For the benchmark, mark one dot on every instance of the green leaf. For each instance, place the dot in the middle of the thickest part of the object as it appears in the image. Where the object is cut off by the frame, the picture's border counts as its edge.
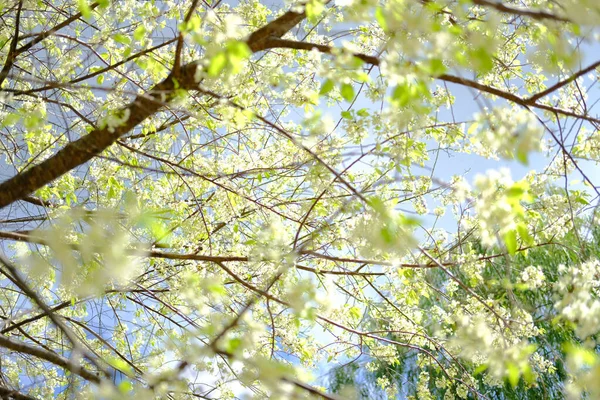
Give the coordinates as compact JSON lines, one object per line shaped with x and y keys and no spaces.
{"x":512,"y":373}
{"x":354,"y":312}
{"x":120,"y":38}
{"x":125,"y":387}
{"x":217,"y":64}
{"x":100,"y":79}
{"x":408,"y":92}
{"x":10,"y":119}
{"x":232,"y":344}
{"x":436,"y":67}
{"x":378,"y":205}
{"x":517,"y":190}
{"x":216,"y":288}
{"x":524,"y":233}
{"x":522,"y":157}
{"x":482,"y":368}
{"x":582,"y":200}
{"x":357,"y":63}
{"x":121,"y":365}
{"x":139,"y":32}
{"x":510,"y":239}
{"x":380,"y":17}
{"x":528,"y":374}
{"x":412,"y":298}
{"x":581,"y":355}
{"x":84,"y":9}
{"x":326,"y":87}
{"x":362,"y":76}
{"x":473,"y":128}
{"x":346,"y":114}
{"x":483,"y":60}
{"x":347,"y":91}
{"x":238,"y":49}
{"x":314,"y":8}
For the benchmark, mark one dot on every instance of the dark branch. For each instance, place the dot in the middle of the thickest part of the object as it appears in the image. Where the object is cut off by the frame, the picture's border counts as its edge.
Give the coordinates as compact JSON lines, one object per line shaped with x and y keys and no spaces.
{"x":93,"y":144}
{"x":25,"y":348}
{"x":12,"y":52}
{"x":537,"y":15}
{"x":6,"y":393}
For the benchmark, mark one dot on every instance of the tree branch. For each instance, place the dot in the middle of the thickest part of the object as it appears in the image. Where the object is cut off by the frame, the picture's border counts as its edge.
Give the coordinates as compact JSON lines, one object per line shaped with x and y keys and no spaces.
{"x":45,"y":34}
{"x":564,"y":82}
{"x":537,"y":15}
{"x":6,"y":393}
{"x":87,"y":147}
{"x":15,"y":277}
{"x":272,"y":43}
{"x":12,"y":52}
{"x":22,"y":347}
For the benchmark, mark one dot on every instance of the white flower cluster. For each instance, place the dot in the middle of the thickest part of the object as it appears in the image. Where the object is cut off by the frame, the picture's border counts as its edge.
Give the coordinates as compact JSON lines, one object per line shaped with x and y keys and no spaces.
{"x":108,"y":255}
{"x":115,"y":120}
{"x":357,"y":9}
{"x":385,"y":232}
{"x":588,"y":145}
{"x":507,"y":132}
{"x":231,"y":26}
{"x":478,"y":342}
{"x":459,"y":191}
{"x":473,"y":269}
{"x":272,"y":243}
{"x":577,"y":297}
{"x":533,"y":277}
{"x":497,"y":206}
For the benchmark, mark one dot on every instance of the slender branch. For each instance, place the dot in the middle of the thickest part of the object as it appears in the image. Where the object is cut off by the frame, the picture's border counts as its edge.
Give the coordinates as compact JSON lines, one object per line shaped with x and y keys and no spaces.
{"x":537,"y":15}
{"x":564,"y":82}
{"x":301,"y":385}
{"x":12,"y":52}
{"x":26,"y":321}
{"x":30,"y":238}
{"x":36,"y":201}
{"x":22,"y":347}
{"x":45,"y":34}
{"x":272,"y":43}
{"x":531,"y":102}
{"x":87,"y":147}
{"x":18,"y":280}
{"x":465,"y":287}
{"x":6,"y":393}
{"x":180,"y":41}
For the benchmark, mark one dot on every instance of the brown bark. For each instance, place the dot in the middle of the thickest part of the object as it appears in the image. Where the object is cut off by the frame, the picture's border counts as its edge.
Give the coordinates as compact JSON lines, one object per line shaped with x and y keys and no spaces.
{"x":87,"y":147}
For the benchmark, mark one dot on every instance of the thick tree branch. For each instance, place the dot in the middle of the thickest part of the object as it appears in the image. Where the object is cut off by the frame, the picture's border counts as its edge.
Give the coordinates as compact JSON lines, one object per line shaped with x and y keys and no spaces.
{"x":6,"y":393}
{"x":144,"y":106}
{"x":84,"y":149}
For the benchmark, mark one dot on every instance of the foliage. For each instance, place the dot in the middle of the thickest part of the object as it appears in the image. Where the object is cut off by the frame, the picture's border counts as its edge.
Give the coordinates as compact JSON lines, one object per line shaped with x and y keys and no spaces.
{"x":220,"y":199}
{"x":528,"y":293}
